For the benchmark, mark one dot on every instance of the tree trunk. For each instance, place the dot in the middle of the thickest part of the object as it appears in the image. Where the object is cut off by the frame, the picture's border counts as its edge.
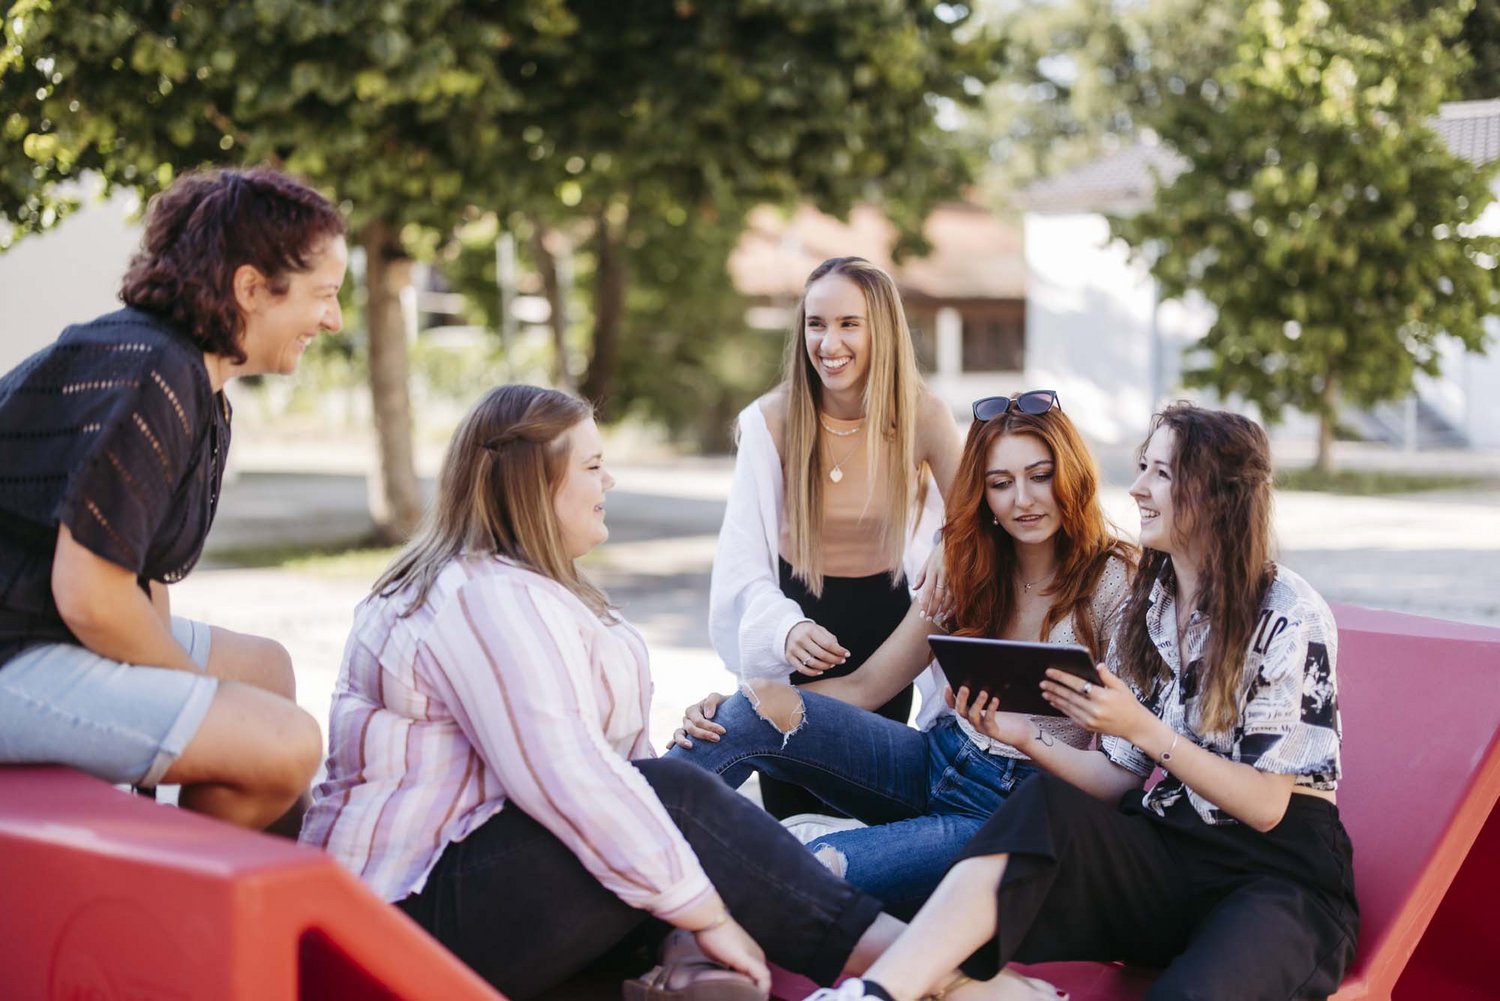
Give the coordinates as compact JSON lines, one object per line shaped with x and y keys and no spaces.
{"x":557,"y":298}
{"x":397,"y":507}
{"x":609,"y":307}
{"x":1327,"y":419}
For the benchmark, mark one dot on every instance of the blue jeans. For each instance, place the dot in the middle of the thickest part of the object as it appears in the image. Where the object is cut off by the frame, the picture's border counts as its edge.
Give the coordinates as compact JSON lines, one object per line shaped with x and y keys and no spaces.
{"x":924,"y":793}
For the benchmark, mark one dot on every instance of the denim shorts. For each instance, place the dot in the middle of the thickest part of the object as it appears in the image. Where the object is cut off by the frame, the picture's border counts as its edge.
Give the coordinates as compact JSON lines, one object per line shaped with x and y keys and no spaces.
{"x":62,"y":704}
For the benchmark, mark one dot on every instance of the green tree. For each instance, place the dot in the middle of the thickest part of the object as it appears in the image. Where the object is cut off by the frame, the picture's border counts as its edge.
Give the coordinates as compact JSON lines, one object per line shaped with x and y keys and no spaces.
{"x":395,"y":106}
{"x":688,"y":361}
{"x":593,"y":112}
{"x":1078,"y":77}
{"x":1319,"y":213}
{"x":1480,"y":37}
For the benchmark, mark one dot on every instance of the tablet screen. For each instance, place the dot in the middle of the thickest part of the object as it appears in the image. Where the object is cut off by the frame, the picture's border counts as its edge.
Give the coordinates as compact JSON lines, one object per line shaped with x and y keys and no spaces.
{"x":1010,"y":670}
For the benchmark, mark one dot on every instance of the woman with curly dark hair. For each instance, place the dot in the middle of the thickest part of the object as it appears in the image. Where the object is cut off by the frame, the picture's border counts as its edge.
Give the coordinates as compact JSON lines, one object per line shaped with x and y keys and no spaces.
{"x":1030,"y":556}
{"x":113,"y":441}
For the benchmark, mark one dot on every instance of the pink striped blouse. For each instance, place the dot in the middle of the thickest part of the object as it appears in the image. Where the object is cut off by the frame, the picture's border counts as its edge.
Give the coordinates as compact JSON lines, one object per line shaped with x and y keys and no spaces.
{"x":503,"y":687}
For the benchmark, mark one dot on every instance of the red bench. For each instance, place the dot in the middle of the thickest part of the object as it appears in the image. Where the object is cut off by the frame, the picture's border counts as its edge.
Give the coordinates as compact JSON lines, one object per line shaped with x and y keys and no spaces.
{"x":109,"y":897}
{"x":1421,"y":709}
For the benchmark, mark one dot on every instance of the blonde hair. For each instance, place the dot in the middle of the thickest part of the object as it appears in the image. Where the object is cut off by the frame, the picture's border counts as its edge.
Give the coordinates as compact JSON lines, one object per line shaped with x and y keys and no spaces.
{"x":892,"y":389}
{"x":507,"y":459}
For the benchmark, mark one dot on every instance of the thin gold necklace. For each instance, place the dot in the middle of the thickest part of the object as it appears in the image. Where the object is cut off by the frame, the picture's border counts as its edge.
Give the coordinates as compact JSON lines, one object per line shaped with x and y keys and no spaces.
{"x":837,"y":472}
{"x":1026,"y":586}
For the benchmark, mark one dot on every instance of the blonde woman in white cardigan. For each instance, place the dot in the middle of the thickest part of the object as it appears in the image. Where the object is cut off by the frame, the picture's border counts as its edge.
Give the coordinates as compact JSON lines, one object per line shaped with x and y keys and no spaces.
{"x":835,"y":497}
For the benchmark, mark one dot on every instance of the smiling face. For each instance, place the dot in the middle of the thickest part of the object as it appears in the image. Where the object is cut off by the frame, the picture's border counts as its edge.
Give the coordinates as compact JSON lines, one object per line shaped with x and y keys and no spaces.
{"x":1018,"y":480}
{"x":279,"y":326}
{"x":1162,"y":528}
{"x":836,"y":331}
{"x":579,"y":499}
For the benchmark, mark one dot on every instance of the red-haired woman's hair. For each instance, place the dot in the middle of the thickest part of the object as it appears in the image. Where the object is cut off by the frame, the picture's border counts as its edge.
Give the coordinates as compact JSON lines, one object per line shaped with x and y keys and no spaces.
{"x":981,"y":556}
{"x":1221,"y":493}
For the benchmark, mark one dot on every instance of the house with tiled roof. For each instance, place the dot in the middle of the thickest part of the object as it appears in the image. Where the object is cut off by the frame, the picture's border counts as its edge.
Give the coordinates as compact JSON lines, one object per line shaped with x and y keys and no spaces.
{"x":1098,"y":331}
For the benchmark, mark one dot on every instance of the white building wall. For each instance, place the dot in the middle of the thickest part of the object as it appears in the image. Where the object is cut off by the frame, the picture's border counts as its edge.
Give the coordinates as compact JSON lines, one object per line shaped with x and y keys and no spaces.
{"x":66,"y":275}
{"x":1096,"y":333}
{"x":1094,"y":329}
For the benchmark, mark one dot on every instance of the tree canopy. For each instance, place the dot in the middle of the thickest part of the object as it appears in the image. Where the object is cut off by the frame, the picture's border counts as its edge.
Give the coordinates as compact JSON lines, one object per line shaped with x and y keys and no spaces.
{"x":1080,"y":76}
{"x":593,"y":114}
{"x":1319,"y":213}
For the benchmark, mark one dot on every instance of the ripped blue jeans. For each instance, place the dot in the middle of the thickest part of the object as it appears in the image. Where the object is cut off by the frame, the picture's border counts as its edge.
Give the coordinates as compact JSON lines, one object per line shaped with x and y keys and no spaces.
{"x":923,"y":793}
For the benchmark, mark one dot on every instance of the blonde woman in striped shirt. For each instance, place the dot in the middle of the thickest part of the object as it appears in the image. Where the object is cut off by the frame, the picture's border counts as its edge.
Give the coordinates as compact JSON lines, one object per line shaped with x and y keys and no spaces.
{"x":490,"y":770}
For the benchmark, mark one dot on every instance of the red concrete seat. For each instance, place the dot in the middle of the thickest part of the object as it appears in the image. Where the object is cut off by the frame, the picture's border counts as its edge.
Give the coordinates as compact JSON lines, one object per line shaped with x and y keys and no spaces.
{"x":106,"y":896}
{"x":1421,"y":710}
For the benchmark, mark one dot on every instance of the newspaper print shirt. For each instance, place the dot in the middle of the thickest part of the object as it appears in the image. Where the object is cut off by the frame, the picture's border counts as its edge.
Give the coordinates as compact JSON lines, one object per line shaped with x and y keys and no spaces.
{"x":1289,"y":716}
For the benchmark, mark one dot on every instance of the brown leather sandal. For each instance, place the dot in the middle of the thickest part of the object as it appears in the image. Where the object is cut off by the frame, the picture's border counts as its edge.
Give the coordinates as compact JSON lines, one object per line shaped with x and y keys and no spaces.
{"x":686,"y":974}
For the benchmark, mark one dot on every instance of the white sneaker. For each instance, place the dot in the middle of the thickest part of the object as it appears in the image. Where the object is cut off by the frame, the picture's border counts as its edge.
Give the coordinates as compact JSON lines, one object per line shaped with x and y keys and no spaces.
{"x":852,"y":989}
{"x":809,"y":827}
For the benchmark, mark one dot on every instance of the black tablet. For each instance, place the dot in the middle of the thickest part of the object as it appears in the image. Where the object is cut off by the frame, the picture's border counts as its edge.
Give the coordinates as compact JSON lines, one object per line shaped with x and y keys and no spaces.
{"x":1010,"y":670}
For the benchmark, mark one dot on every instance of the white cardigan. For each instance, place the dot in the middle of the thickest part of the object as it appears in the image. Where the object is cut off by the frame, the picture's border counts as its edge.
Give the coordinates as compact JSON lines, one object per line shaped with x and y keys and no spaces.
{"x":748,"y":616}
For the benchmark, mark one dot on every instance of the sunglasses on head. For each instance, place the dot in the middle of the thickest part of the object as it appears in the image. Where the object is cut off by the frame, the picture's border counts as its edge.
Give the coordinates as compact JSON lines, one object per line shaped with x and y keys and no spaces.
{"x":1034,"y":402}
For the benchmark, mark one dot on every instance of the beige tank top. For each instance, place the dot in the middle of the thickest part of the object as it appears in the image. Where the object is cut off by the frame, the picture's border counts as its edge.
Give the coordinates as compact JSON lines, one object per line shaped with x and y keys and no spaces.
{"x":850,"y":535}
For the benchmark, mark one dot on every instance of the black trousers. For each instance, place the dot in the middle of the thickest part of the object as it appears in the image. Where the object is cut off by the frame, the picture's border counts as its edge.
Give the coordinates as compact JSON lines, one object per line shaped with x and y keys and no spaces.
{"x":1226,"y":912}
{"x":862,"y":612}
{"x":518,"y":907}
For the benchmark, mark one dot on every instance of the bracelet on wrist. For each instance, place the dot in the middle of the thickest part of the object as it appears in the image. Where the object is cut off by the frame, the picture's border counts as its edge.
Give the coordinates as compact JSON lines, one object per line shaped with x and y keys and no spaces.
{"x":1166,"y":756}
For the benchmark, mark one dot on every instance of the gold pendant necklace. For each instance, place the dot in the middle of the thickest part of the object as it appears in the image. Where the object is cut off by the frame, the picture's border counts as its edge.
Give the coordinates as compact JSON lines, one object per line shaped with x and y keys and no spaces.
{"x":836,"y":474}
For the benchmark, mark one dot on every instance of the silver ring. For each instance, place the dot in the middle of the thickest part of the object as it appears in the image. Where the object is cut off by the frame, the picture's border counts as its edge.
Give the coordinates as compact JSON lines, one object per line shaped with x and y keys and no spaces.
{"x":806,"y":661}
{"x":1088,"y":686}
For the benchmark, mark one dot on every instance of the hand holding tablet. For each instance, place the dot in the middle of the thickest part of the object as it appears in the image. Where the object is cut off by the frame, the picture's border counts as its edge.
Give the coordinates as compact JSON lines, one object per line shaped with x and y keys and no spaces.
{"x":1010,"y":670}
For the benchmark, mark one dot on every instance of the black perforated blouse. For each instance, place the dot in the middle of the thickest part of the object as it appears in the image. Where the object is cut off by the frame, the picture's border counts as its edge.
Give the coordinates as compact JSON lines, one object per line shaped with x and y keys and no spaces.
{"x":115,"y":431}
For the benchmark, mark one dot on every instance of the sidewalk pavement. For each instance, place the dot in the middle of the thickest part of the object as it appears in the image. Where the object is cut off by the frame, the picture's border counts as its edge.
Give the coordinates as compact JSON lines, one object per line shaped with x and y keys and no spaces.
{"x":1433,"y":554}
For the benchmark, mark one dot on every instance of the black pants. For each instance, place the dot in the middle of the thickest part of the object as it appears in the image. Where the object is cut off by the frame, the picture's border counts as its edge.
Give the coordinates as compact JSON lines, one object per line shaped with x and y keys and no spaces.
{"x":862,"y":612}
{"x":518,"y":907}
{"x":1227,"y":911}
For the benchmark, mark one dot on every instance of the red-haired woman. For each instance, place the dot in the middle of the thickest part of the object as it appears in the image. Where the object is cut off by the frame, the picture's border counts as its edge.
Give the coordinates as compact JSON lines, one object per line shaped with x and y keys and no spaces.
{"x":113,"y":441}
{"x":1233,"y":873}
{"x":1030,"y":556}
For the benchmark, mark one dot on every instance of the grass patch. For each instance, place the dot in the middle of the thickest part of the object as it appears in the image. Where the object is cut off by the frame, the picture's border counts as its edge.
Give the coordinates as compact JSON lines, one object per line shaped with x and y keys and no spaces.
{"x":1372,"y":482}
{"x":351,"y":559}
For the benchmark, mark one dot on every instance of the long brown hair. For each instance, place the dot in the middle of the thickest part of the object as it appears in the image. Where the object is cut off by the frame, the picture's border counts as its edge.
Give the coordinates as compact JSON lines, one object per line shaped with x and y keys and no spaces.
{"x":892,"y":388}
{"x":1221,"y":496}
{"x":981,"y":556}
{"x":503,"y":466}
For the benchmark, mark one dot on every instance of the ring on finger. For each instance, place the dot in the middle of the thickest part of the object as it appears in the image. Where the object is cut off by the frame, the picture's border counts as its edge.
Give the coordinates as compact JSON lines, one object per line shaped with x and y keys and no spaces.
{"x":1088,"y":686}
{"x":806,"y":661}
